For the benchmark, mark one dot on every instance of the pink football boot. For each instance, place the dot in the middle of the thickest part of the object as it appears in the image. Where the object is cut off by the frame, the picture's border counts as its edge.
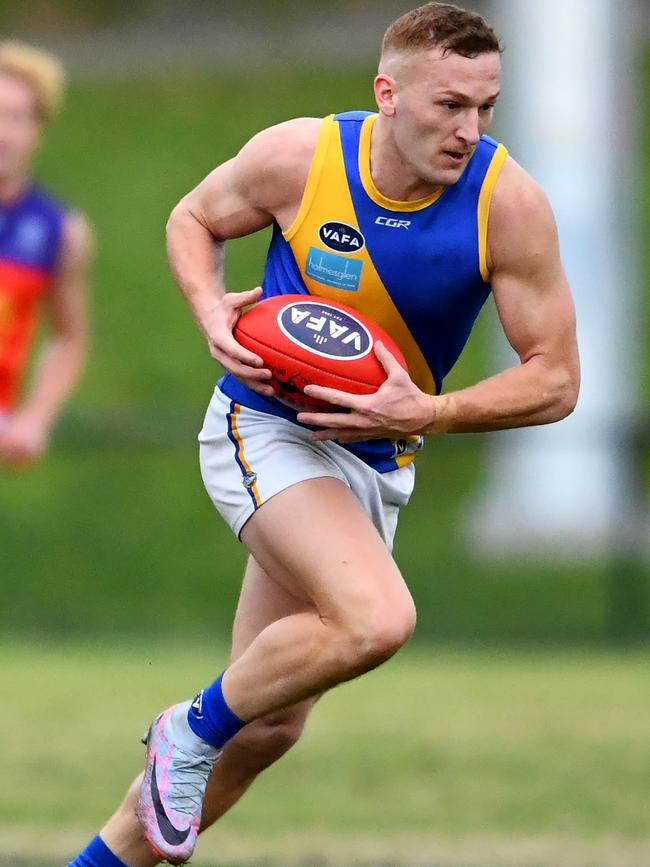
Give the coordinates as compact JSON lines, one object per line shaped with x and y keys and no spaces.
{"x":176,"y":775}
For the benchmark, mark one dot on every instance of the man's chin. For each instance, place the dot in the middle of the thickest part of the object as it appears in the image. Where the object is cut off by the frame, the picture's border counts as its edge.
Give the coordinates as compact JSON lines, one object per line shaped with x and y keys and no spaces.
{"x":447,"y":177}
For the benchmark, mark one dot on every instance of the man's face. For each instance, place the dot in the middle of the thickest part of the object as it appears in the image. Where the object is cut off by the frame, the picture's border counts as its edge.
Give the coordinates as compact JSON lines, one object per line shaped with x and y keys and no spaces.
{"x":442,"y":104}
{"x":20,"y":126}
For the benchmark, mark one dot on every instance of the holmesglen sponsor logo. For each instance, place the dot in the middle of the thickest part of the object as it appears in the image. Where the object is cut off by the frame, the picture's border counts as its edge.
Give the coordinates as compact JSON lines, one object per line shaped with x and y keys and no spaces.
{"x":332,"y":270}
{"x":325,"y":330}
{"x":341,"y":237}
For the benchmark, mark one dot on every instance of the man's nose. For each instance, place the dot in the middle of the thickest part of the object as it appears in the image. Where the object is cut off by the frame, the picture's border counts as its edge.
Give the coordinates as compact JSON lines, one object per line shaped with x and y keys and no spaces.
{"x":469,"y":130}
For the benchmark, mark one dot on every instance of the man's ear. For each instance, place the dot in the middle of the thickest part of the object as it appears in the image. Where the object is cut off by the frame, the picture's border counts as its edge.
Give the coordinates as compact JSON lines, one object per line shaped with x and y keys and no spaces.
{"x":385,"y":93}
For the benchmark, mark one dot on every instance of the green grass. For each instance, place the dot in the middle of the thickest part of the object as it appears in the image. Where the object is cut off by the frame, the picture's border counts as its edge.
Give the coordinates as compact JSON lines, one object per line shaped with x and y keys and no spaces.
{"x":443,"y":753}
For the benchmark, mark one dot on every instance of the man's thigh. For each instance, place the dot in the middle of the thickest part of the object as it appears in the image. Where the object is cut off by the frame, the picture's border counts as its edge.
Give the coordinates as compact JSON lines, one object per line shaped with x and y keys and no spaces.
{"x":262,"y":601}
{"x":318,"y":543}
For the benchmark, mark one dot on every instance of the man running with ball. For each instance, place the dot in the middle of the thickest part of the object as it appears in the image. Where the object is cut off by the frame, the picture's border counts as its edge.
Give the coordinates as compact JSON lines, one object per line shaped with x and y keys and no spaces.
{"x":447,"y":217}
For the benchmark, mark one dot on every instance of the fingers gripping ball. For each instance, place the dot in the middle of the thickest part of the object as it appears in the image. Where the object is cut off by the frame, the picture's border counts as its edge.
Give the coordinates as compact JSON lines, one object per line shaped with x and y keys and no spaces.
{"x":305,"y":340}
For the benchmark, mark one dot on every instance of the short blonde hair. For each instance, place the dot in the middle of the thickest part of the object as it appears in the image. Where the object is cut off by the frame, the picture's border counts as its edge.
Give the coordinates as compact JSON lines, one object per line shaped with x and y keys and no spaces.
{"x":441,"y":25}
{"x":40,"y":69}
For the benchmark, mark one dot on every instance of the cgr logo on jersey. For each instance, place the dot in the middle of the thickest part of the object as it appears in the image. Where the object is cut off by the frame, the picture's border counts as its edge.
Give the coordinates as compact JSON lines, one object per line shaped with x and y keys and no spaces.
{"x":324,"y":330}
{"x":392,"y":223}
{"x":341,"y":237}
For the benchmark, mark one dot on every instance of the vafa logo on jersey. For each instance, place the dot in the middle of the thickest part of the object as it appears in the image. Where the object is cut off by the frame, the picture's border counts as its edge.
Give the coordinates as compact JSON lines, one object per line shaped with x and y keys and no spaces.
{"x":341,"y":237}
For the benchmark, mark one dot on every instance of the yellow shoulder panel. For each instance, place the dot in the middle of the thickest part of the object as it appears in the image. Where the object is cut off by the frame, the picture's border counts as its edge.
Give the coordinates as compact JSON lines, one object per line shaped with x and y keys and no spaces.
{"x":484,"y":201}
{"x":314,"y":175}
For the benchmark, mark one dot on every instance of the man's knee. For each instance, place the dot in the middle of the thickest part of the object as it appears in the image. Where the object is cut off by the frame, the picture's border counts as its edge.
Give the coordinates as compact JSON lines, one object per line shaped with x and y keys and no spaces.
{"x":264,"y":741}
{"x":374,"y":635}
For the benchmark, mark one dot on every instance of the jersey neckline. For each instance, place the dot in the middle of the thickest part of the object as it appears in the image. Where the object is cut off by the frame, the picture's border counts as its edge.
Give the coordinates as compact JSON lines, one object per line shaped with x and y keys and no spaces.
{"x":369,"y":185}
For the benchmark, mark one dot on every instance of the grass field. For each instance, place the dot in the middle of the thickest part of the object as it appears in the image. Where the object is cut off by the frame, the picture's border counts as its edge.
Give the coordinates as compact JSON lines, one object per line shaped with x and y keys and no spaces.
{"x":444,"y":757}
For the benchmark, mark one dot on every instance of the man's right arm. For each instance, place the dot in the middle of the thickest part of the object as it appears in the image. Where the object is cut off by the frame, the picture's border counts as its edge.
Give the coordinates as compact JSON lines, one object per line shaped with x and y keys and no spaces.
{"x":262,"y":183}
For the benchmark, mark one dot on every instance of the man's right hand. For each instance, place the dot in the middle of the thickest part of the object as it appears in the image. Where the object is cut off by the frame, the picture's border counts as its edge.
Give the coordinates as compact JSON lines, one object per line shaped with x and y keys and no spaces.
{"x":218,"y":327}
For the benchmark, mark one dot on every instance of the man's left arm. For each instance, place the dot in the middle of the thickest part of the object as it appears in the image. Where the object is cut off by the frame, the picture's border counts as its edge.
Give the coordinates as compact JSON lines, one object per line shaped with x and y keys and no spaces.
{"x":536,"y":310}
{"x":24,"y":437}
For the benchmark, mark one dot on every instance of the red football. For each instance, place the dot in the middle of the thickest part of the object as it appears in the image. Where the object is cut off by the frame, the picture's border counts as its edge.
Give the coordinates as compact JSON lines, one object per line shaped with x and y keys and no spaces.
{"x":306,"y":340}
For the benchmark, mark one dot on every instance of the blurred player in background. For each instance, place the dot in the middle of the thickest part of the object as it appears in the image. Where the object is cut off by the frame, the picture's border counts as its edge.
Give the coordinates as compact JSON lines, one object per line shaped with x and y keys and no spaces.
{"x":446,"y":219}
{"x":45,"y":252}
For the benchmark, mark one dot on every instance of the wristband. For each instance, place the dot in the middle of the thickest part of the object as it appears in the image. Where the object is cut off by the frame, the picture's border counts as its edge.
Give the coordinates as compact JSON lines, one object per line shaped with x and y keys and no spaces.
{"x":444,"y":409}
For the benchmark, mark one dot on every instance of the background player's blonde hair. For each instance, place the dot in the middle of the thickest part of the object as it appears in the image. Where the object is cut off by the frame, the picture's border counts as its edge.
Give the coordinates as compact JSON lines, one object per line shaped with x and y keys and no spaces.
{"x":443,"y":25}
{"x":40,"y":69}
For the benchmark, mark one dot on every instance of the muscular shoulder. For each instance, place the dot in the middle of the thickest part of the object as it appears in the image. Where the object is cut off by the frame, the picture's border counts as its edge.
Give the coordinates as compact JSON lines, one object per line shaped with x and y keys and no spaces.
{"x":262,"y":183}
{"x":522,"y":226}
{"x":273,"y":166}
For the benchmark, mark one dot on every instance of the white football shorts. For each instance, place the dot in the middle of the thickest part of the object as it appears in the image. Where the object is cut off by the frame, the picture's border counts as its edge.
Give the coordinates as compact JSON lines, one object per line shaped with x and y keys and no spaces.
{"x":248,"y":456}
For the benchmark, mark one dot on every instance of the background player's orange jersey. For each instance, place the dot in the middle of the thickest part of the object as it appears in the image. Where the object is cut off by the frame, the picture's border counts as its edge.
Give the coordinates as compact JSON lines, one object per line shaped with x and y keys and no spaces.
{"x":30,"y":241}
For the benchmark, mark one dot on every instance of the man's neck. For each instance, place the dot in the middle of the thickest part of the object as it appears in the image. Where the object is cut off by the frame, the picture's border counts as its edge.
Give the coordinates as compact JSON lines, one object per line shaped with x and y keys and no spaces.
{"x":12,"y":186}
{"x":389,"y":173}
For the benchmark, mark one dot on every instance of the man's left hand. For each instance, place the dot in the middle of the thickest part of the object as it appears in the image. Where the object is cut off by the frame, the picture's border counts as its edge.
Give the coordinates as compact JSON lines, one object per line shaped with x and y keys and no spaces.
{"x":397,"y":409}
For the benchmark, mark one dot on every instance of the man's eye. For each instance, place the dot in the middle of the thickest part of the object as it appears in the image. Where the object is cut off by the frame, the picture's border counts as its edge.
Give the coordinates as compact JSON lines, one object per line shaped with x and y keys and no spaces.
{"x":450,"y":105}
{"x":487,"y":107}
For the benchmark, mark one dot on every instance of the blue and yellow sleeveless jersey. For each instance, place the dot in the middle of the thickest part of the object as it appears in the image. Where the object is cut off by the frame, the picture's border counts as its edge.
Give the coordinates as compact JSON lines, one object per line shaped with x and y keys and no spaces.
{"x":418,"y":268}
